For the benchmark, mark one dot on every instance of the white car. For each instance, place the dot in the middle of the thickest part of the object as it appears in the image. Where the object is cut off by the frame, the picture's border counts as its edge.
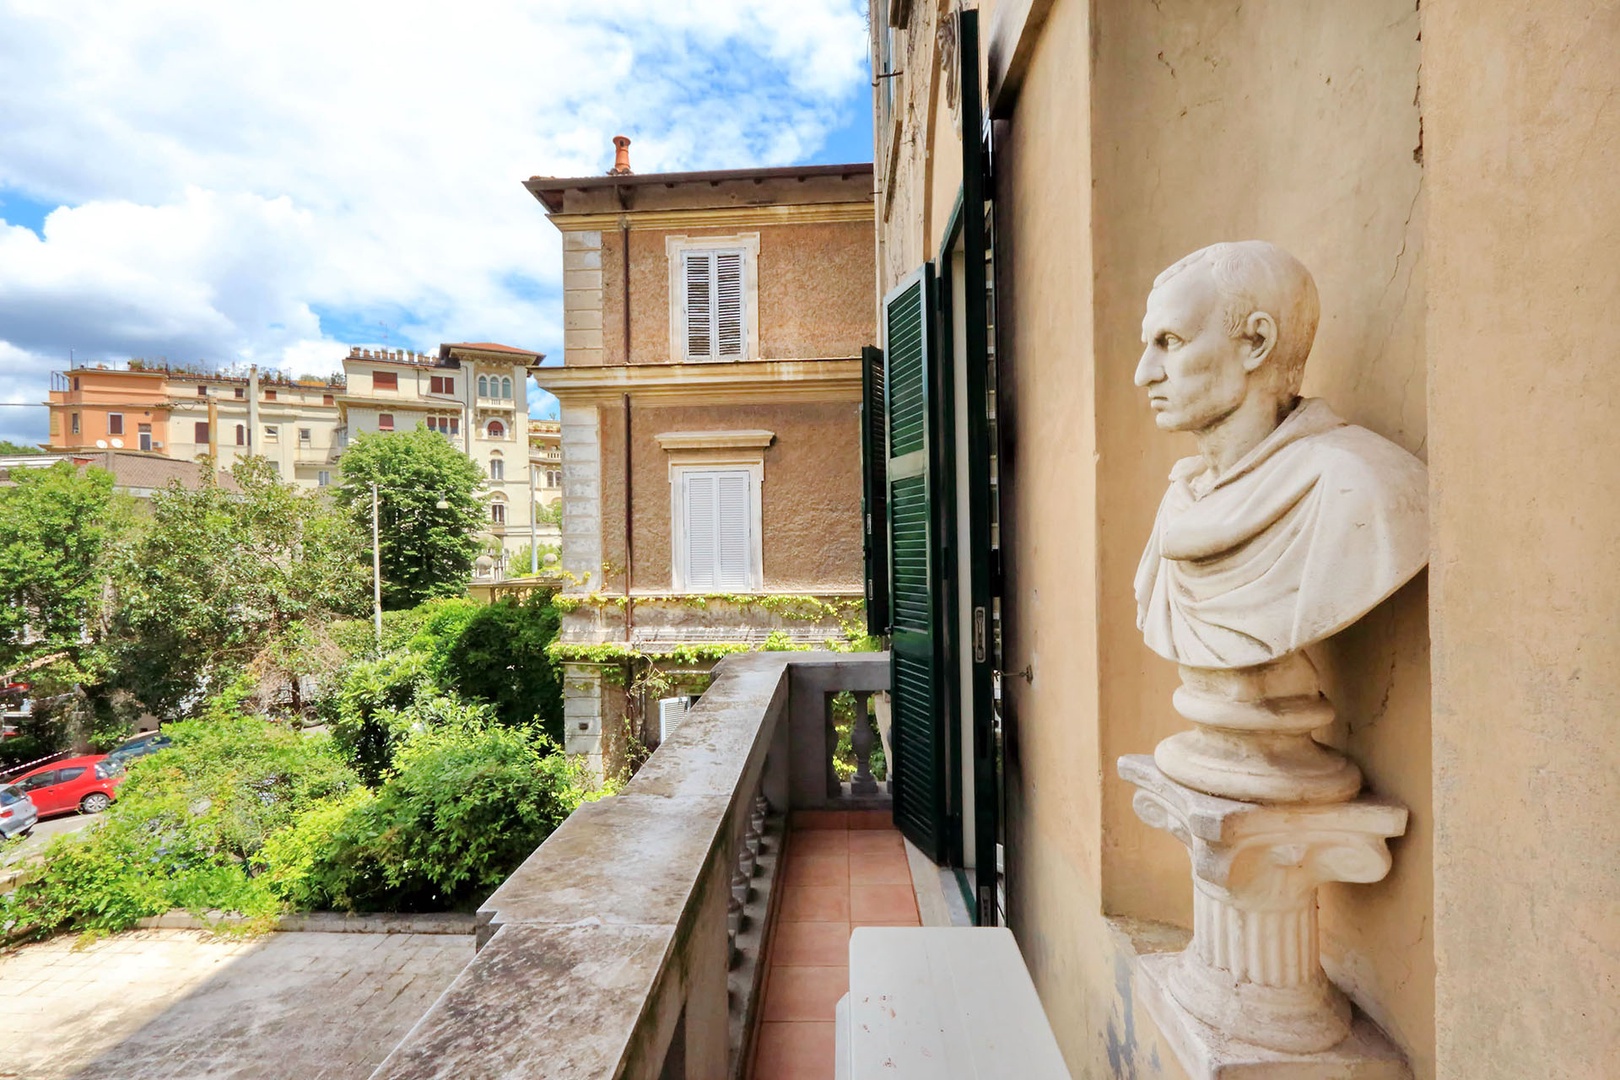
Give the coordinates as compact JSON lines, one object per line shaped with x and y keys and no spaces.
{"x":17,"y":812}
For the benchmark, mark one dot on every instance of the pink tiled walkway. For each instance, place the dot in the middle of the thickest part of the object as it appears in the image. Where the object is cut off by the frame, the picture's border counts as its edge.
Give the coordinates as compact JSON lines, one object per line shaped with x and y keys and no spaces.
{"x":844,"y":869}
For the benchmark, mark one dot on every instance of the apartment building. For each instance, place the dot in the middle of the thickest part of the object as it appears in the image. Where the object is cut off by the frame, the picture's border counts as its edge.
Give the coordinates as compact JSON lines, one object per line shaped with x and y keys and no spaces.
{"x":292,"y":422}
{"x":184,"y":414}
{"x":474,"y":394}
{"x":545,"y":461}
{"x":106,"y":408}
{"x":710,"y":416}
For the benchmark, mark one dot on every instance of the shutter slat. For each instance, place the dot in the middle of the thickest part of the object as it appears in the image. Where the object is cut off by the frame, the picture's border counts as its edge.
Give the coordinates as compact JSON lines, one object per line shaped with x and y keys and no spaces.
{"x":915,"y":574}
{"x":731,"y":528}
{"x":700,"y":530}
{"x":728,"y":292}
{"x":699,"y":305}
{"x":907,"y":402}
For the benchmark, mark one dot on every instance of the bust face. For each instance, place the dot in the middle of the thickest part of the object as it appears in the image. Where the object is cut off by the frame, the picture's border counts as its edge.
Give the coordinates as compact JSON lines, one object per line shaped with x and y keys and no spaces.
{"x":1193,"y":370}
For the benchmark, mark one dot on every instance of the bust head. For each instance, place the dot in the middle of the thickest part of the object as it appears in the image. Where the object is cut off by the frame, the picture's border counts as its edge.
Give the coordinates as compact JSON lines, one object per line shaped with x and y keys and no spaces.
{"x":1227,"y":330}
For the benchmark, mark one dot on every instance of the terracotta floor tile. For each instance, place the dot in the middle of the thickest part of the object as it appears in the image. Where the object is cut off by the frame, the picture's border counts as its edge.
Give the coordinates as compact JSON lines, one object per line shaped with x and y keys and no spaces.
{"x":794,"y":1050}
{"x":805,"y":993}
{"x":875,"y":842}
{"x":819,"y":841}
{"x":870,"y":819}
{"x":810,"y":944}
{"x":892,"y":905}
{"x":816,"y":870}
{"x":879,"y":869}
{"x":820,"y":819}
{"x":816,"y":903}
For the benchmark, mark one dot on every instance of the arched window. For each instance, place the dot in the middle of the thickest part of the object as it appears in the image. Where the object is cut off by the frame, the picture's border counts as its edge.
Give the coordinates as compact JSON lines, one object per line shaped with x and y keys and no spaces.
{"x":241,"y":435}
{"x":483,"y":386}
{"x":497,"y":468}
{"x":496,"y":430}
{"x":506,"y":388}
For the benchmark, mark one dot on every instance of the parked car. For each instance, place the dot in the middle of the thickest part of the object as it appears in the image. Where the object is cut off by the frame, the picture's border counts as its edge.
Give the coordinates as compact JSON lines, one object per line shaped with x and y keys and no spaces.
{"x":17,"y":812}
{"x":141,"y":745}
{"x":86,"y":784}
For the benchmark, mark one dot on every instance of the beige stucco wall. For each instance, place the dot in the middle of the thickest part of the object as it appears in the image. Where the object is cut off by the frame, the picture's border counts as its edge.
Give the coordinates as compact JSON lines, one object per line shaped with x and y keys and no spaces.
{"x":814,"y":281}
{"x":810,"y":499}
{"x":1522,"y":130}
{"x":1197,"y":141}
{"x":1142,"y":132}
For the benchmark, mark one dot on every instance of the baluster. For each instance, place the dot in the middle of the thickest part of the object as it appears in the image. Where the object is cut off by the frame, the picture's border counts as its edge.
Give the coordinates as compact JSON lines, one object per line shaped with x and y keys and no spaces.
{"x":860,"y":737}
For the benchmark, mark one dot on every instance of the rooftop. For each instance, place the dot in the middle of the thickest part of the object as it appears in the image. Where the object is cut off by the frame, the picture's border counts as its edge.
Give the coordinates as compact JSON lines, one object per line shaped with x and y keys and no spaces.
{"x":552,"y":190}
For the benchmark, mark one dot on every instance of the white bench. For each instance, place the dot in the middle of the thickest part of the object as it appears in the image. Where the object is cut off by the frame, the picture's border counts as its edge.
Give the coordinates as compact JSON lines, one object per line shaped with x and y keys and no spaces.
{"x":942,"y":1003}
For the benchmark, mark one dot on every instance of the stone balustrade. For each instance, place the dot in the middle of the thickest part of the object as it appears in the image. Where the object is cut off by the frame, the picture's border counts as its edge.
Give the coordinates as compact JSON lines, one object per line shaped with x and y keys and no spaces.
{"x":630,"y":943}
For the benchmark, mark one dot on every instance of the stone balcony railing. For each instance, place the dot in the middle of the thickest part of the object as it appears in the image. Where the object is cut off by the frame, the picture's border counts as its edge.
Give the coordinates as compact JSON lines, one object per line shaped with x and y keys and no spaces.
{"x":630,"y":943}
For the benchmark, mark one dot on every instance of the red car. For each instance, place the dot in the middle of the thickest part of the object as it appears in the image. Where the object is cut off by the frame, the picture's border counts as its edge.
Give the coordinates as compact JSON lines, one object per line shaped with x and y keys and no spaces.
{"x":85,"y":784}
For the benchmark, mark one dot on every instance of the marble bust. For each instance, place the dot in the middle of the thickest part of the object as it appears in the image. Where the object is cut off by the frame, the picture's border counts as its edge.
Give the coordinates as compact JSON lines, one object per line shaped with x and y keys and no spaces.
{"x":1289,"y":523}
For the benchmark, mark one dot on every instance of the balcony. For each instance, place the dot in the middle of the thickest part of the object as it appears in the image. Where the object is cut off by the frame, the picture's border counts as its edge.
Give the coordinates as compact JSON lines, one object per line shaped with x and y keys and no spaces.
{"x":631,"y":942}
{"x":498,"y":404}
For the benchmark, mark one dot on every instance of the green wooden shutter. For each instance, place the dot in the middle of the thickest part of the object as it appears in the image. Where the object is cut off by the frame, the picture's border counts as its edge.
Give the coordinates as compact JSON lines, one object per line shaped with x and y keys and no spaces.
{"x":875,"y":490}
{"x":978,"y":588}
{"x":915,"y":566}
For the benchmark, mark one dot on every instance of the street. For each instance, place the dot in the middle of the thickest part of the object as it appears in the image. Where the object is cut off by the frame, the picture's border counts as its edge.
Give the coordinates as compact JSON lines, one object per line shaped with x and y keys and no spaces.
{"x":14,"y":851}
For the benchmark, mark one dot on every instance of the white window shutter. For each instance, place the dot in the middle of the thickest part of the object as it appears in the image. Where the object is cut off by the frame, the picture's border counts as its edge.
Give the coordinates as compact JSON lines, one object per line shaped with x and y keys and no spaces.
{"x":699,"y":305}
{"x":730,"y":337}
{"x":732,"y":546}
{"x":700,"y":530}
{"x":671,"y":711}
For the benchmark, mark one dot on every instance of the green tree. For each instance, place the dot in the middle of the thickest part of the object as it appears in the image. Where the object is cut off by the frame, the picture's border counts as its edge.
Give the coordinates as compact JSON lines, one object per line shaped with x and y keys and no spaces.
{"x":7,"y":447}
{"x":220,"y":579}
{"x":500,"y":659}
{"x":56,"y":526}
{"x":427,"y":550}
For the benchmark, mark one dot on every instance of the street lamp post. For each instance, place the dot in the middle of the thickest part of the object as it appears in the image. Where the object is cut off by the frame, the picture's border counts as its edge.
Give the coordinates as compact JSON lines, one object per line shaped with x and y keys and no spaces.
{"x":376,"y":569}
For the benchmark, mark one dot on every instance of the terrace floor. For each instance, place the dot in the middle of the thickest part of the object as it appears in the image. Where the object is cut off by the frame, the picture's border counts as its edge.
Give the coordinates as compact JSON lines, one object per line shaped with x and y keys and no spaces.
{"x":844,"y":869}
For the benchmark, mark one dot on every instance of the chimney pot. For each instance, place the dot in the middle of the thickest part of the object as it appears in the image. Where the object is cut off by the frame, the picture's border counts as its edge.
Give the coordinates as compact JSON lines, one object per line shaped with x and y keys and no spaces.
{"x":621,"y":156}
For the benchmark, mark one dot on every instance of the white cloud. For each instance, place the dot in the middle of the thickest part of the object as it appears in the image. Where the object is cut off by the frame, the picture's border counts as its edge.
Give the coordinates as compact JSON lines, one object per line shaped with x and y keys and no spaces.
{"x":229,"y":173}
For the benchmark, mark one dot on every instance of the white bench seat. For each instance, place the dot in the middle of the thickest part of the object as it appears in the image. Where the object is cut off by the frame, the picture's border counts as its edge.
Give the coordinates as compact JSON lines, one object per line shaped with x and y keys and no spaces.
{"x":942,"y":1003}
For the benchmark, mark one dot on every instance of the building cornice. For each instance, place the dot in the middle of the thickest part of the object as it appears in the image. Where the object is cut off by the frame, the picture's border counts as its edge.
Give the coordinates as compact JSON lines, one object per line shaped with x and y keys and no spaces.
{"x":744,"y":382}
{"x":715,"y":440}
{"x":718,"y":217}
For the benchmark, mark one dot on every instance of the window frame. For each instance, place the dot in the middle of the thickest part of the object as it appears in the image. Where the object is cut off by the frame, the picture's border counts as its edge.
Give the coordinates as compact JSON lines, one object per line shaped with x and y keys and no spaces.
{"x":497,"y":468}
{"x":385,"y":416}
{"x":199,"y":432}
{"x":390,"y":381}
{"x":497,"y":520}
{"x":677,"y":247}
{"x":112,"y":427}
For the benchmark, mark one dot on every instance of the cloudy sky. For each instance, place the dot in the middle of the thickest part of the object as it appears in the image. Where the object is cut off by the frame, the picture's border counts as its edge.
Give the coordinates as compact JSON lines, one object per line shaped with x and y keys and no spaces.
{"x":271,"y":183}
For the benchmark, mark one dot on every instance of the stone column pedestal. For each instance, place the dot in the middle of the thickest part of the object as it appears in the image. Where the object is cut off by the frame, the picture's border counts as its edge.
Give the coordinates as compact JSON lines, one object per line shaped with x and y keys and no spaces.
{"x":1253,"y":970}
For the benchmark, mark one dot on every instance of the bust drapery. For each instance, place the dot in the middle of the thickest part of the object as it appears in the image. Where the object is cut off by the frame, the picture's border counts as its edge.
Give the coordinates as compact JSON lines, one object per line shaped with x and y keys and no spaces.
{"x":1307,"y":532}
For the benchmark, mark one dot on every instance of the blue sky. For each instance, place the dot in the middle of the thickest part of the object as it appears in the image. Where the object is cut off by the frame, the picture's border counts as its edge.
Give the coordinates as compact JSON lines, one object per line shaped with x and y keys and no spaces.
{"x":215,"y":182}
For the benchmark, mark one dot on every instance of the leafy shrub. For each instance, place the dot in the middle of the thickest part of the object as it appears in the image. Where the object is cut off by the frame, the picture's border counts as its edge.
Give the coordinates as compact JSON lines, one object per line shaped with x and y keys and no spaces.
{"x":499,"y":658}
{"x":466,"y":802}
{"x":365,"y":711}
{"x":186,"y":831}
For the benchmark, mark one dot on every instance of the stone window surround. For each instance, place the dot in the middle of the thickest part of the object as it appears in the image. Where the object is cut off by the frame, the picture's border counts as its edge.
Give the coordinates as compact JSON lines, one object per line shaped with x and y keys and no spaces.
{"x":694,"y":450}
{"x":677,"y":245}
